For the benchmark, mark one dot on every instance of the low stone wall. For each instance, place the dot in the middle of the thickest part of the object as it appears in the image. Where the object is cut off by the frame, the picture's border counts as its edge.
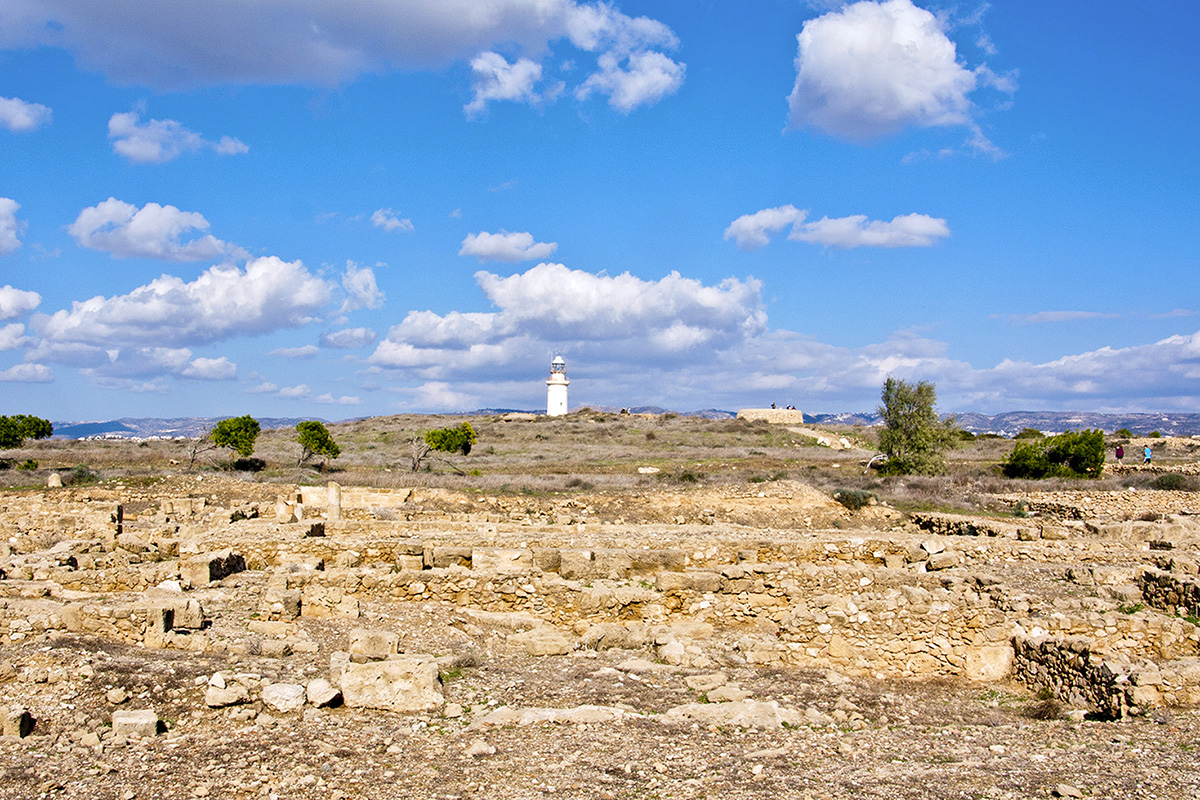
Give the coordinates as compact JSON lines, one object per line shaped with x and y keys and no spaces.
{"x":776,"y":416}
{"x":1070,"y":670}
{"x":1173,"y":593}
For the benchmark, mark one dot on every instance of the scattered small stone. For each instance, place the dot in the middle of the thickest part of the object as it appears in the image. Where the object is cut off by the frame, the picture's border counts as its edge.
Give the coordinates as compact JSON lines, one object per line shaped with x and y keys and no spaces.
{"x":480,"y":748}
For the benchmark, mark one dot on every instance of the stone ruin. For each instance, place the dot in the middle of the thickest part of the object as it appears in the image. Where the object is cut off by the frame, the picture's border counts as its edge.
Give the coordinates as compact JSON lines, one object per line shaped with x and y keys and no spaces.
{"x":1103,"y":616}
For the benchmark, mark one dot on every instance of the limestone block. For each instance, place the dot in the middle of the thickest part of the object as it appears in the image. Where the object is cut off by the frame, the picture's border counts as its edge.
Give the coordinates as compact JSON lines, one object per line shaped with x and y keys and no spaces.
{"x":673,"y":582}
{"x":547,"y":559}
{"x":372,"y":645}
{"x":142,"y":723}
{"x":576,"y":564}
{"x":18,"y":722}
{"x":542,"y":641}
{"x":403,"y":683}
{"x":741,"y":714}
{"x":204,"y":569}
{"x":54,"y":481}
{"x":446,"y":556}
{"x":705,"y":581}
{"x":501,"y":561}
{"x":284,"y":697}
{"x":673,"y":653}
{"x":1052,"y":533}
{"x":321,"y":693}
{"x":992,"y":663}
{"x":613,"y":564}
{"x":943,"y":560}
{"x":232,"y":694}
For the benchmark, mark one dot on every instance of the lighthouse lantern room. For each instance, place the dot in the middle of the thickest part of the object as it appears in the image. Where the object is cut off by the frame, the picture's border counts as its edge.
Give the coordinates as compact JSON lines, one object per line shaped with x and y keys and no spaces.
{"x":556,"y":388}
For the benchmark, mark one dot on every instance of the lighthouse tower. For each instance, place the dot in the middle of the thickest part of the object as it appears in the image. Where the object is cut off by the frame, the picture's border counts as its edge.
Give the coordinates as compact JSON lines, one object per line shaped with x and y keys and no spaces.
{"x":556,"y":388}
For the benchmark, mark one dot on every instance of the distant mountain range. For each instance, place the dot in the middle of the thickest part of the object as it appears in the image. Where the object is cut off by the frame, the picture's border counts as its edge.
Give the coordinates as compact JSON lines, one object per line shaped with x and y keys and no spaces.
{"x":1012,"y":422}
{"x":155,"y":428}
{"x":1005,"y":424}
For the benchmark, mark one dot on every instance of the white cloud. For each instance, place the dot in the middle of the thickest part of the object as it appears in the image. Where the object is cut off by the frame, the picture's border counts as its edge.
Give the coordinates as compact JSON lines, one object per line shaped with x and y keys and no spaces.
{"x":305,"y":351}
{"x":493,"y":78}
{"x":441,"y":396}
{"x":390,"y":221}
{"x":1056,"y":316}
{"x":750,"y":230}
{"x":17,"y":302}
{"x":153,"y":231}
{"x":361,"y":288}
{"x":505,"y":246}
{"x":349,"y":338}
{"x":10,"y":227}
{"x":646,"y":78}
{"x":27,"y":373}
{"x":295,"y":392}
{"x":875,"y":68}
{"x":910,"y":230}
{"x":211,"y":369}
{"x":344,"y":400}
{"x":160,"y":140}
{"x":12,"y":336}
{"x":550,"y":307}
{"x":223,"y":302}
{"x":19,"y":116}
{"x":182,"y":45}
{"x":266,"y":387}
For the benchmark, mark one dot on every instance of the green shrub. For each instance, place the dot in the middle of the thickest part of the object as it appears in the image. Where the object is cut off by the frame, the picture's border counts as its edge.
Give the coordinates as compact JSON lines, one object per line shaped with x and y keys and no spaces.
{"x":28,"y":464}
{"x":1154,"y":435}
{"x":1072,"y":454}
{"x":853,"y":499}
{"x":79,"y":475}
{"x":1030,"y":433}
{"x":1171,"y":482}
{"x":452,"y":440}
{"x":1123,"y":433}
{"x":965,"y":435}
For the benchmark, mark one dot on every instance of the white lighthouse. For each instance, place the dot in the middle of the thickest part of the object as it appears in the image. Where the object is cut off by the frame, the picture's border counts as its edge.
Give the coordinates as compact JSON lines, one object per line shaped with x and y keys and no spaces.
{"x":556,"y":388}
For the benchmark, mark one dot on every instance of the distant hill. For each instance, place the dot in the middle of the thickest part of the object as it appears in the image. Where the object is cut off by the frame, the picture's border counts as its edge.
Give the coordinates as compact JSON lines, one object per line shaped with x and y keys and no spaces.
{"x":1006,"y":424}
{"x":155,"y":428}
{"x":1012,"y":422}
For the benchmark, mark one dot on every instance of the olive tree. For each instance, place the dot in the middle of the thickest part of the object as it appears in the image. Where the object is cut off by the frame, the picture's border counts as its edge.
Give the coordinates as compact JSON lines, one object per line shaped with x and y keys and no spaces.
{"x":236,"y":433}
{"x":315,"y":440}
{"x":913,"y":438}
{"x":458,"y":439}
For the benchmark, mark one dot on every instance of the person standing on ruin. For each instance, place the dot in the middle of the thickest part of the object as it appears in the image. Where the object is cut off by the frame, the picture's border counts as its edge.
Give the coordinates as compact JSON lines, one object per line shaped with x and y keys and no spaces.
{"x":1120,"y":453}
{"x":1148,"y":453}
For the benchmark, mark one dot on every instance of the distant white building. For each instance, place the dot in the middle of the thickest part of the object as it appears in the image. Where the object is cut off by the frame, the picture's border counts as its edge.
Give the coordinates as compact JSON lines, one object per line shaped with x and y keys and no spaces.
{"x":556,"y":388}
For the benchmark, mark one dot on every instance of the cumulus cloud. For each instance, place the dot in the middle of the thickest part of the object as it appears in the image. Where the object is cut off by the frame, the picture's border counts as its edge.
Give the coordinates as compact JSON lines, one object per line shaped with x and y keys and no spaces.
{"x":182,"y":45}
{"x":751,"y":230}
{"x":27,"y":373}
{"x":349,"y":338}
{"x":10,"y":227}
{"x":153,"y":231}
{"x":210,"y":369}
{"x":910,"y":230}
{"x":294,"y":392}
{"x":17,"y":302}
{"x":19,"y":116}
{"x":549,"y":306}
{"x":344,"y":400}
{"x":505,"y":246}
{"x":305,"y":351}
{"x":265,"y":387}
{"x":493,"y":78}
{"x":875,"y":68}
{"x":157,"y":141}
{"x":390,"y":221}
{"x":360,"y":287}
{"x":223,"y":302}
{"x":12,"y":336}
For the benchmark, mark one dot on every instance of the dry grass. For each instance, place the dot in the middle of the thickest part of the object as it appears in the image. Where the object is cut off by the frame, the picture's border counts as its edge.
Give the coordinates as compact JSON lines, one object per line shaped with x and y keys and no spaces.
{"x":583,"y":451}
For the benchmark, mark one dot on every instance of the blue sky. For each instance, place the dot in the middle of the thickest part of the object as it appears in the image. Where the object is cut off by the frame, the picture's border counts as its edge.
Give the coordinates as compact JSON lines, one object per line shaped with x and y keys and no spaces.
{"x":302,"y":208}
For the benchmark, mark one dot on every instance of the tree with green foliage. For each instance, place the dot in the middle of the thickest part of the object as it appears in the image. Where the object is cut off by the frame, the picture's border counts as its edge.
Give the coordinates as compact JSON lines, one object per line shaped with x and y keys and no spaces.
{"x":315,"y":440}
{"x":15,"y":430}
{"x":236,"y":433}
{"x":1074,"y":454}
{"x":458,"y":439}
{"x":913,"y":438}
{"x":1029,"y":433}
